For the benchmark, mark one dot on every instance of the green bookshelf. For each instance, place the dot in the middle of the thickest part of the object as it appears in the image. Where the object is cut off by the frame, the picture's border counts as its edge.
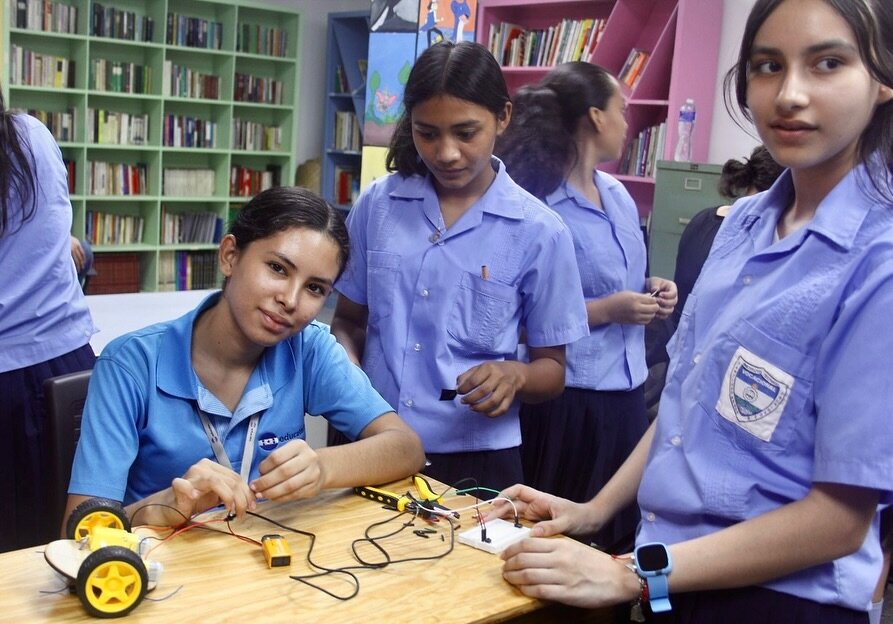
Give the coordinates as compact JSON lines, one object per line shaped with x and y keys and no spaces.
{"x":173,"y":114}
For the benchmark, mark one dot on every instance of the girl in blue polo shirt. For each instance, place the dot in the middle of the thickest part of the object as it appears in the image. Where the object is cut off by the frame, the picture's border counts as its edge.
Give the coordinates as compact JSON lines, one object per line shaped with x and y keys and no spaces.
{"x":563,"y":127}
{"x":770,"y":456}
{"x":452,"y":260}
{"x":209,"y":409}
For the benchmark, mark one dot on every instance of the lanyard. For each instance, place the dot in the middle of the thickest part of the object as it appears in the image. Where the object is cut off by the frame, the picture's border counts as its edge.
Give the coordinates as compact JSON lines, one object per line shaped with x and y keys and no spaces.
{"x":220,"y":452}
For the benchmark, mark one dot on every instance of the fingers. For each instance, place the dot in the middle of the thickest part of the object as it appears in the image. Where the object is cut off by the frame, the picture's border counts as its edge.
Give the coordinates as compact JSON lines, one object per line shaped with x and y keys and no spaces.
{"x":488,"y":388}
{"x":206,"y":484}
{"x":289,"y":473}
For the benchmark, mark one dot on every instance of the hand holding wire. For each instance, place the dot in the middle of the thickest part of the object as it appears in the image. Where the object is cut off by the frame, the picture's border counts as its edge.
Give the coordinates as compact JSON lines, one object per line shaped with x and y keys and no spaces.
{"x":665,"y":293}
{"x":553,"y":515}
{"x":207,"y":484}
{"x":291,"y":472}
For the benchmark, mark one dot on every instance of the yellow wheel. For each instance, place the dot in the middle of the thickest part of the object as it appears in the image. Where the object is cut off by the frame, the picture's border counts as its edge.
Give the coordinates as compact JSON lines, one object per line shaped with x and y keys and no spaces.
{"x":112,"y":582}
{"x":95,"y":512}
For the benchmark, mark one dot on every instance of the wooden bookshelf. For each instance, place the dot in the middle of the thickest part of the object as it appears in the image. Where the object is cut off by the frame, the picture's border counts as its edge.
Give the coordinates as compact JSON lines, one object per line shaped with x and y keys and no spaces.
{"x":680,"y":38}
{"x":217,"y":92}
{"x":346,"y":56}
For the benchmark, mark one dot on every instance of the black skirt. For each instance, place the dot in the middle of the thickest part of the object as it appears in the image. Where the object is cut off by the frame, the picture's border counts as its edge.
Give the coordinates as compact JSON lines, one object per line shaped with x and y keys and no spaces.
{"x":572,"y":445}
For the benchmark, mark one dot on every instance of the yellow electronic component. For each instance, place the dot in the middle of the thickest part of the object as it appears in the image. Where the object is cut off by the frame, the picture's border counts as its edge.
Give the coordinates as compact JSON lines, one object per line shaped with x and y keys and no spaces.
{"x":276,"y":550}
{"x":101,"y":536}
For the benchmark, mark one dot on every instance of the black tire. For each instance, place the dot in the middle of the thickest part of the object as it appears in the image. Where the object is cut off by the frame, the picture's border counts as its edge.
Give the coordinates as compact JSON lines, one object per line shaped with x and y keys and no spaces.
{"x":95,"y":512}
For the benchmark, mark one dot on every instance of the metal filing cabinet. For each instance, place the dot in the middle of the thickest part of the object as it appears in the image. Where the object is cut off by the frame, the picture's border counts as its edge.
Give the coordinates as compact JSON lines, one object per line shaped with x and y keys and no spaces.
{"x":681,"y":190}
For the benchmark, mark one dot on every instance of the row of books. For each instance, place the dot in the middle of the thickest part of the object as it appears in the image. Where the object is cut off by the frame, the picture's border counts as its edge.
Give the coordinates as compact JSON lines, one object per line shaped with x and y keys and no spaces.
{"x":643,"y":152}
{"x":188,"y":182}
{"x":254,"y":136}
{"x":193,"y":32}
{"x":187,"y":131}
{"x":245,"y":182}
{"x":34,"y":69}
{"x":117,"y":272}
{"x":347,"y":185}
{"x":347,"y":132}
{"x":120,"y":77}
{"x":105,"y":178}
{"x":633,"y":67}
{"x":105,"y":228}
{"x":250,"y":88}
{"x":568,"y":40}
{"x":44,"y":15}
{"x":187,"y":270}
{"x":181,"y":81}
{"x":111,"y":127}
{"x":190,"y":227}
{"x":257,"y":39}
{"x":60,"y":123}
{"x":118,"y":24}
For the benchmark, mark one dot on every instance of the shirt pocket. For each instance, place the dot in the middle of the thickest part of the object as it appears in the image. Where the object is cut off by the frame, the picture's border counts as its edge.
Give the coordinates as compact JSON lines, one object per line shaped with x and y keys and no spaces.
{"x":480,"y":315}
{"x":381,"y":287}
{"x":758,"y":390}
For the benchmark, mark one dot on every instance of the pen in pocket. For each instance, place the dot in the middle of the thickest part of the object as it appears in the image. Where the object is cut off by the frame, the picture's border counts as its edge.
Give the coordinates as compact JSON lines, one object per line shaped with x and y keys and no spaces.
{"x":485,"y":272}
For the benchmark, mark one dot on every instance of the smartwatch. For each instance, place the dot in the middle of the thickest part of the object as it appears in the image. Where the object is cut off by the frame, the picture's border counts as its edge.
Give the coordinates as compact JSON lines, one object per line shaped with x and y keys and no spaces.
{"x":653,"y":564}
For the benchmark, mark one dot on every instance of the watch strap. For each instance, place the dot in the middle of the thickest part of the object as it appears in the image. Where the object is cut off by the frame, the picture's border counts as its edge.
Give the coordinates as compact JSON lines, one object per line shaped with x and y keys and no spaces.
{"x":658,"y":593}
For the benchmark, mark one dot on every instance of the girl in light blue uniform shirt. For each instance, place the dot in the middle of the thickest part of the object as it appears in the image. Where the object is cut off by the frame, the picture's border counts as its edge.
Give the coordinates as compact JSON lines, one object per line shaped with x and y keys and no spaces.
{"x":452,"y":260}
{"x":770,"y":456}
{"x":564,"y":126}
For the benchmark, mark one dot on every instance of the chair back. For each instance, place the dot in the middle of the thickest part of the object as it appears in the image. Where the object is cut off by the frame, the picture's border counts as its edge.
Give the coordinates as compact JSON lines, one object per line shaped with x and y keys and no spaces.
{"x":65,"y":396}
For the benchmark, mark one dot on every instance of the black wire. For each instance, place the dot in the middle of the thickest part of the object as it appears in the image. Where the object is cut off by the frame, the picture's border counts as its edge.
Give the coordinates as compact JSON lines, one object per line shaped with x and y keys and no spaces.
{"x":364,"y":565}
{"x":147,"y":505}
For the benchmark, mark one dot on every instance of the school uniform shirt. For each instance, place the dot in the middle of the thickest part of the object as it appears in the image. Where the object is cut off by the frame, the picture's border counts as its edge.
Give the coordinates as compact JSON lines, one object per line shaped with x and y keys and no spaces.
{"x":779,"y":378}
{"x":435,"y":311}
{"x":43,"y":312}
{"x":141,"y":426}
{"x":610,"y":253}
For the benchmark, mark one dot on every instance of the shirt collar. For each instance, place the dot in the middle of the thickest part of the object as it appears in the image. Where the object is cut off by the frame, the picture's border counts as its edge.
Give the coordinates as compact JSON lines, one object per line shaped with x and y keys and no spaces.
{"x":277,"y":365}
{"x":838,"y":217}
{"x":499,"y":199}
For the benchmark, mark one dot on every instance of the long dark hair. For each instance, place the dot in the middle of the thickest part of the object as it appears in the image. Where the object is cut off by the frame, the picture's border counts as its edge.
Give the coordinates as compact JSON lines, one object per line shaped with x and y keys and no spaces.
{"x":538,"y":147}
{"x":463,"y":70}
{"x":872,"y":23}
{"x":758,"y":172}
{"x":18,"y":181}
{"x":283,"y":207}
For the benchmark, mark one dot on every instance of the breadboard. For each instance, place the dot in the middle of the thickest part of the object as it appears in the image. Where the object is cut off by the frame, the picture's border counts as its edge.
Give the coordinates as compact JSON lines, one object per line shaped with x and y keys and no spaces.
{"x":501,"y":534}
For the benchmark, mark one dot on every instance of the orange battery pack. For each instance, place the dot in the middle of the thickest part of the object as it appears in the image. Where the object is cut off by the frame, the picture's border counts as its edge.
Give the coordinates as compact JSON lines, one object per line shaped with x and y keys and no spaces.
{"x":276,"y":550}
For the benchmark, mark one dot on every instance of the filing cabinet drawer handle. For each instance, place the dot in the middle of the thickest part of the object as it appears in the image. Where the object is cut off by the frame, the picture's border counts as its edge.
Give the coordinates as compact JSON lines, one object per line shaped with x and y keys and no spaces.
{"x":684,"y":220}
{"x":692,"y":184}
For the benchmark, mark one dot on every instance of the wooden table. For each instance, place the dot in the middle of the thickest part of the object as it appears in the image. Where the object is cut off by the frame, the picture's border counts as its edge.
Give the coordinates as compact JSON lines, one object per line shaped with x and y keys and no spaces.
{"x":219,"y":578}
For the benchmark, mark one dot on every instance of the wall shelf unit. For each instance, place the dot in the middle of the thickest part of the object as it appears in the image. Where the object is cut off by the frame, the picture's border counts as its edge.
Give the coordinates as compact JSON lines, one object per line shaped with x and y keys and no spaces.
{"x":346,"y":56}
{"x":681,"y":38}
{"x":169,"y":127}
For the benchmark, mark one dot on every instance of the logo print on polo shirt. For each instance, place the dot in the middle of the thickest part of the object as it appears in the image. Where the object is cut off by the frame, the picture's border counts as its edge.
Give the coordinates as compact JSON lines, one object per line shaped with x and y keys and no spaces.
{"x":269,"y":441}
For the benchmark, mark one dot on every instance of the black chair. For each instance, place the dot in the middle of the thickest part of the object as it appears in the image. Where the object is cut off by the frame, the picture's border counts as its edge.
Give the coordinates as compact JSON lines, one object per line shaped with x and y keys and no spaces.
{"x":65,"y":396}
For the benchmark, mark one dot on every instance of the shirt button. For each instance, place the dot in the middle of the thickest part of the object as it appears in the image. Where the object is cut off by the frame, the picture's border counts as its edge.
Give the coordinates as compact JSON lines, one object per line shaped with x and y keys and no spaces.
{"x":434,"y":237}
{"x":747,"y":280}
{"x":650,"y":517}
{"x":696,"y":358}
{"x":408,"y":403}
{"x":676,"y":440}
{"x":424,"y":292}
{"x":416,"y":347}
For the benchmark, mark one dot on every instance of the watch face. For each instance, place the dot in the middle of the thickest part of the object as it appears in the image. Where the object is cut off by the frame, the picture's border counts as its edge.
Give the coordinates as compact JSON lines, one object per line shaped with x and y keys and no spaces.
{"x":652,"y":557}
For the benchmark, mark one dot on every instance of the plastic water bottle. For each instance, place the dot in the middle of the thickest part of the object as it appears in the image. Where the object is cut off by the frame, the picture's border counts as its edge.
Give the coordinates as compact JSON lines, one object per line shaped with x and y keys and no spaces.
{"x":686,"y":128}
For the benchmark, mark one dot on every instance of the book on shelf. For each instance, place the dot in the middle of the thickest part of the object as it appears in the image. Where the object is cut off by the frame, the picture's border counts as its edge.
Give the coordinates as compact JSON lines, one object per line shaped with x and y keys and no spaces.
{"x":633,"y":67}
{"x":188,"y":182}
{"x":347,"y":185}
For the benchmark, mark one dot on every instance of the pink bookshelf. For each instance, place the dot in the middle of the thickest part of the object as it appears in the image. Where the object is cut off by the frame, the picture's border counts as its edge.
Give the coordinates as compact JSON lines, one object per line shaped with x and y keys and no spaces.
{"x":681,"y":37}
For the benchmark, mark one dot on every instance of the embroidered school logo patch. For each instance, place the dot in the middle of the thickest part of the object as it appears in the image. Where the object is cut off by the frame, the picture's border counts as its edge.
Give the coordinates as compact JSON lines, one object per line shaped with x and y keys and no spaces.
{"x":754,"y":394}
